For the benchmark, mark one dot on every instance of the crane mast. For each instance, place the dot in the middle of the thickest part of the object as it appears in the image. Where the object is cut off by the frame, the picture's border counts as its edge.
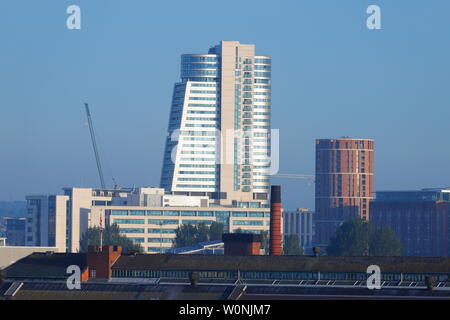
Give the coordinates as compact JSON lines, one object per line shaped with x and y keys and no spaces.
{"x":94,"y":146}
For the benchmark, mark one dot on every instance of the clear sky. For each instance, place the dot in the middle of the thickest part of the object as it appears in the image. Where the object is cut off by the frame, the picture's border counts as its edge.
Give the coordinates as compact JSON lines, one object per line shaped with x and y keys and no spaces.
{"x":331,"y":77}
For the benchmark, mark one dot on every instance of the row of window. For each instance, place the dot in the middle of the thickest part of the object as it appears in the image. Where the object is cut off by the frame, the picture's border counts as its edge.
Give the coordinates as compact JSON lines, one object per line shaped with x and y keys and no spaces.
{"x":189,"y":213}
{"x":206,"y":85}
{"x":272,"y":275}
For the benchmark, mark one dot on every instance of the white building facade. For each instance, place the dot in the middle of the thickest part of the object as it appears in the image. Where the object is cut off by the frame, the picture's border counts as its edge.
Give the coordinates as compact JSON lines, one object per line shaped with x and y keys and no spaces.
{"x":149,"y":216}
{"x":219,"y":128}
{"x":300,"y":222}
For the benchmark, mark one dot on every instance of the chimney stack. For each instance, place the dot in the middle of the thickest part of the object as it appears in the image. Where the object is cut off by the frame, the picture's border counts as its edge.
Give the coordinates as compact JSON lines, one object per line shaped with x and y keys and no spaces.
{"x":275,"y":221}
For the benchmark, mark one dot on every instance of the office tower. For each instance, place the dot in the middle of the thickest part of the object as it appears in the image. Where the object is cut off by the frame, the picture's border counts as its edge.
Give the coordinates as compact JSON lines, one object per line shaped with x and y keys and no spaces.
{"x":420,"y":219}
{"x":300,"y":222}
{"x":46,"y":221}
{"x":60,"y":220}
{"x":344,"y":183}
{"x":218,"y":143}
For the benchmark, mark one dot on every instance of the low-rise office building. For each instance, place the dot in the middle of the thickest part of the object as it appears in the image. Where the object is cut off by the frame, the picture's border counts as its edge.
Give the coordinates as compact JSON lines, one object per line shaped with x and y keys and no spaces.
{"x":300,"y":222}
{"x":149,"y":216}
{"x":420,"y":218}
{"x":15,"y":231}
{"x":154,"y":228}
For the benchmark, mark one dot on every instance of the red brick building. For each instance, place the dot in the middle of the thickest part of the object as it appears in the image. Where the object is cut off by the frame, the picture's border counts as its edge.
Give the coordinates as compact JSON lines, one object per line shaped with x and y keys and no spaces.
{"x":344,"y":183}
{"x":420,"y":219}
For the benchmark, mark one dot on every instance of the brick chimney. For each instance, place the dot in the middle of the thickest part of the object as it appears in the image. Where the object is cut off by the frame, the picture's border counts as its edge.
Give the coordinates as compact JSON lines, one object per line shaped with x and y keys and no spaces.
{"x":101,"y":259}
{"x":275,"y":221}
{"x":241,"y":244}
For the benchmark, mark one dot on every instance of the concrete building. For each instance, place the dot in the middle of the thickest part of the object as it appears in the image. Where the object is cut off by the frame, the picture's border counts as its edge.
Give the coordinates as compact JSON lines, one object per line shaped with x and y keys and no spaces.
{"x":344,"y":183}
{"x":300,"y":222}
{"x":149,"y":216}
{"x":218,"y":143}
{"x":46,"y":221}
{"x":60,"y":220}
{"x":15,"y":231}
{"x":154,"y":228}
{"x":420,"y":218}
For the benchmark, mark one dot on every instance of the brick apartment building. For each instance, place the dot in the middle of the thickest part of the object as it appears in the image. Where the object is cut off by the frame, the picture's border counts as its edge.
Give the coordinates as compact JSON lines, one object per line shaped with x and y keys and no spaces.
{"x":344,"y":183}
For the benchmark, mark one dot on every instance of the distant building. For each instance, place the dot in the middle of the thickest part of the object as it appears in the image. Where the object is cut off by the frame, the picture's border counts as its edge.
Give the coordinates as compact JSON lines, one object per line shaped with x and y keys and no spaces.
{"x":421,"y":219}
{"x":344,"y":183}
{"x":46,"y":221}
{"x":148,"y":216}
{"x":227,"y":89}
{"x":300,"y":222}
{"x":15,"y":231}
{"x":154,"y":228}
{"x":11,"y":254}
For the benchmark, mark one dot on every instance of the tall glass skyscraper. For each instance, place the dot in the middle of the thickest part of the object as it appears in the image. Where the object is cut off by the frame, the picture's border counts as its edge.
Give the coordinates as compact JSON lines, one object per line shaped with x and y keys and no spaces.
{"x":219,"y":127}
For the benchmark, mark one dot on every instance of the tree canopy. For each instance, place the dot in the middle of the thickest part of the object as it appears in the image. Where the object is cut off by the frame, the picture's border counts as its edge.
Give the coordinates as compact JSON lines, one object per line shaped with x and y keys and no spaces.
{"x":291,"y":245}
{"x":360,"y":238}
{"x":189,"y":235}
{"x":111,"y":237}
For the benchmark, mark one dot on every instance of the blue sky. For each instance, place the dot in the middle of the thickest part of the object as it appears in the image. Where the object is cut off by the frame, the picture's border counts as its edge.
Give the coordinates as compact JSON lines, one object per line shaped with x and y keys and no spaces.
{"x":331,"y":77}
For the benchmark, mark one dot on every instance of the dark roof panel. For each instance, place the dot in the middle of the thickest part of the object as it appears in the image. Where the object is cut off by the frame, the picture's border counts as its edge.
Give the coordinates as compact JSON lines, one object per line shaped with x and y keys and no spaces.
{"x":281,"y":263}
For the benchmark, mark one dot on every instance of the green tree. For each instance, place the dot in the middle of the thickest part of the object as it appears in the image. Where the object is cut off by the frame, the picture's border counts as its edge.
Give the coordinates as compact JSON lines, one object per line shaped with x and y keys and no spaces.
{"x":384,"y":242}
{"x":202,"y":233}
{"x":291,"y":245}
{"x":216,"y":231}
{"x":360,"y":238}
{"x":189,"y":235}
{"x":351,"y":239}
{"x":111,"y":236}
{"x":185,"y":236}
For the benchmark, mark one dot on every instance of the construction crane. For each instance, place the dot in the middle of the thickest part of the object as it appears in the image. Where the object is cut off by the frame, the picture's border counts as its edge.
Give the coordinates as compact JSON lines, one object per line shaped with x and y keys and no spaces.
{"x":94,"y":146}
{"x":294,"y":176}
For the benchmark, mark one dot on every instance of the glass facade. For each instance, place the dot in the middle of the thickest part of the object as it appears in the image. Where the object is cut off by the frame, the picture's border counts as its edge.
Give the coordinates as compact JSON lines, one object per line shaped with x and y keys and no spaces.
{"x":199,"y":109}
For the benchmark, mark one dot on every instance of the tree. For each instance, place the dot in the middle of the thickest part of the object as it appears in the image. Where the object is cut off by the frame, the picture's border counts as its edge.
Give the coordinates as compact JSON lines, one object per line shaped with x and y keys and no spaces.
{"x":186,"y":236}
{"x":202,"y":233}
{"x":351,"y":239}
{"x":111,"y":237}
{"x":189,"y":235}
{"x":360,"y":238}
{"x":291,"y":245}
{"x":216,"y":231}
{"x":384,"y":242}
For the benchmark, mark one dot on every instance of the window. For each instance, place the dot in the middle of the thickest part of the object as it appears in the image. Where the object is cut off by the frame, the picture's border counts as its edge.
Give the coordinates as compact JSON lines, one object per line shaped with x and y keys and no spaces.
{"x":119,"y":212}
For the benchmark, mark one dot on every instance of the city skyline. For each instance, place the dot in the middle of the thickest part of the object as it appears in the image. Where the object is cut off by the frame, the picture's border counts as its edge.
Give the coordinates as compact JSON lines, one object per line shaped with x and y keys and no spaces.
{"x":338,"y":70}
